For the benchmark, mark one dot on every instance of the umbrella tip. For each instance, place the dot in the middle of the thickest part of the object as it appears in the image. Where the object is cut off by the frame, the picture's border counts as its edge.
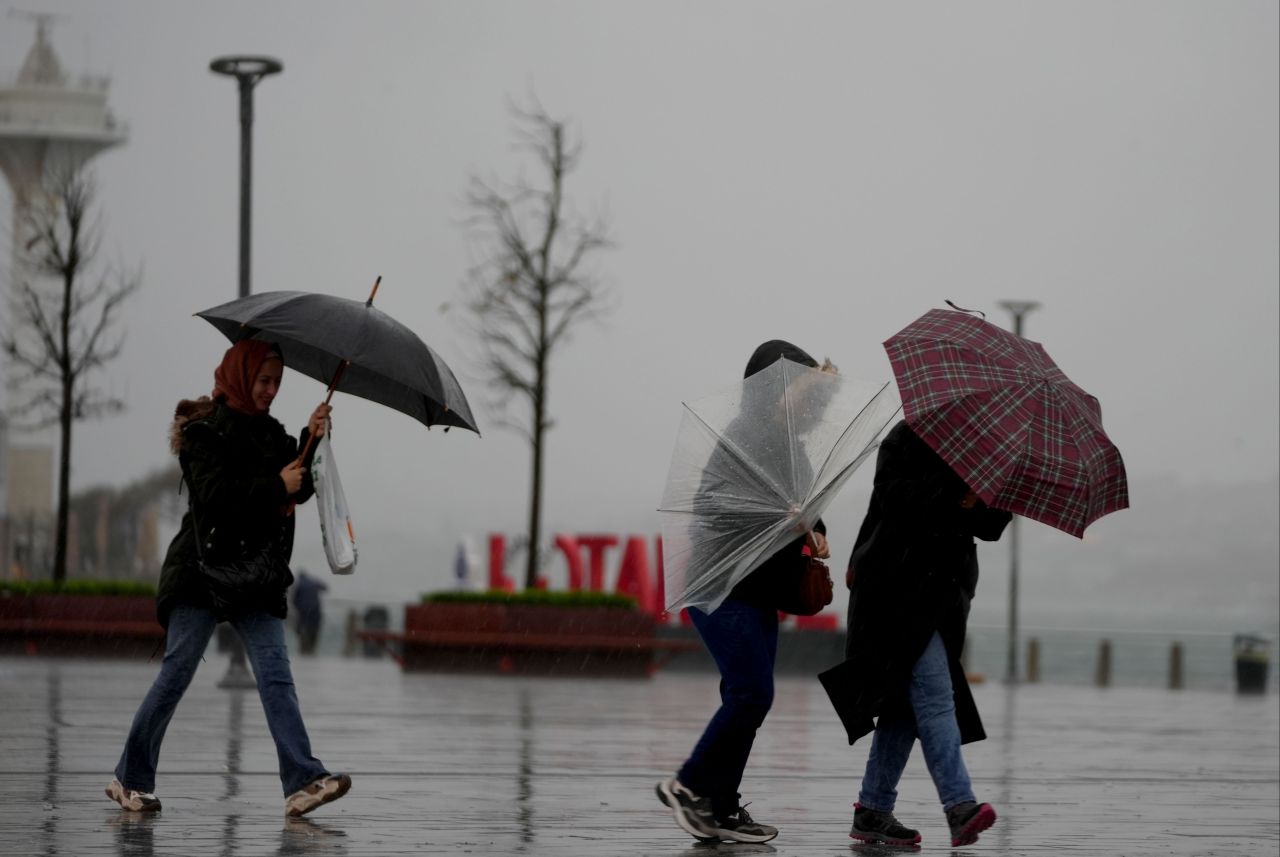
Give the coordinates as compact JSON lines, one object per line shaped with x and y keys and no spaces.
{"x":376,"y":283}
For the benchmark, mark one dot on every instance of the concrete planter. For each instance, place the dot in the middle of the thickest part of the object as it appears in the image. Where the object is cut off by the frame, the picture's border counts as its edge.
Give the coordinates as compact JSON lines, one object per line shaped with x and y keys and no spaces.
{"x":64,"y":624}
{"x":528,"y":639}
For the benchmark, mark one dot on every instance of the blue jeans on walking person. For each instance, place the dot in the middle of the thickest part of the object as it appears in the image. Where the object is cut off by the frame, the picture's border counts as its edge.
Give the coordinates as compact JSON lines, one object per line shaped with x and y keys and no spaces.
{"x":934,"y":723}
{"x":190,"y":629}
{"x":743,"y":640}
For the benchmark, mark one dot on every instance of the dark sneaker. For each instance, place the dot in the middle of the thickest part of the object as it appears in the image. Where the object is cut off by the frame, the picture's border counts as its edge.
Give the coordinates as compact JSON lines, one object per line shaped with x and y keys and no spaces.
{"x":691,"y":812}
{"x":131,"y":800}
{"x":967,"y":820}
{"x":873,"y":825}
{"x":317,"y":793}
{"x":741,"y":827}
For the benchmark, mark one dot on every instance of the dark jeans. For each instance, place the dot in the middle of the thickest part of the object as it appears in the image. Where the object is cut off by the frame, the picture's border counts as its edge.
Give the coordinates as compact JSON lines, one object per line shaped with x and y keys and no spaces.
{"x":190,"y":629}
{"x":743,"y":639}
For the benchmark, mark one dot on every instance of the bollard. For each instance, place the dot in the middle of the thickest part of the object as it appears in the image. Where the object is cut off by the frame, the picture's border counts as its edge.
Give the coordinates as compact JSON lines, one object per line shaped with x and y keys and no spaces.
{"x":350,"y":640}
{"x":1102,"y":678}
{"x":1033,"y":661}
{"x":1175,"y":667}
{"x":375,"y":619}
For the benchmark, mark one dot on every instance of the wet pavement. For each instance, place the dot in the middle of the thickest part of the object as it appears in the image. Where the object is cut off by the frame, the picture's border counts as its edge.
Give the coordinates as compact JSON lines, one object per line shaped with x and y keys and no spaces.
{"x":447,"y":764}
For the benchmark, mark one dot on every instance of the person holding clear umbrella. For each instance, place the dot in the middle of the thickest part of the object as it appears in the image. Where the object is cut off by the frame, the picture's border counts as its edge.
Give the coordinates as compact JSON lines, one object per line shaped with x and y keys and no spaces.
{"x":741,"y":635}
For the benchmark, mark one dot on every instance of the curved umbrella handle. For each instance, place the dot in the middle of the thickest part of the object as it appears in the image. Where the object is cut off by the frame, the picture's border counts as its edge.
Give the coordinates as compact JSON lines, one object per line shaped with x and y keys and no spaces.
{"x":333,"y":385}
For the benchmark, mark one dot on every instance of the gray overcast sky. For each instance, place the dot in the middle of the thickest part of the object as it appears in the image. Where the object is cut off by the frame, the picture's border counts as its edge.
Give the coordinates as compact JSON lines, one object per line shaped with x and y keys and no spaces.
{"x":821,"y":172}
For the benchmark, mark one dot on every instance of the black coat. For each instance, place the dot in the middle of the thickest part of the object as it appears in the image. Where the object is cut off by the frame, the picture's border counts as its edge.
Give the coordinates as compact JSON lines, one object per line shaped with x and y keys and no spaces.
{"x":914,"y":571}
{"x":231,"y":464}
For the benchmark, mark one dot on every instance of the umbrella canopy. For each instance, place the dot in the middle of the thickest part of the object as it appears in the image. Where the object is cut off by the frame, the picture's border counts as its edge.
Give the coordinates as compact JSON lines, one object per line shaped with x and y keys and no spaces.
{"x":371,"y":355}
{"x":755,"y":467}
{"x":1010,"y":423}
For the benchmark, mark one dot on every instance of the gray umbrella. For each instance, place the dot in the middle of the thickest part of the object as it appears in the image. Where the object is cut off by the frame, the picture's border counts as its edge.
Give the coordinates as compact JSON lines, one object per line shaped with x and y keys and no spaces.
{"x":353,"y":347}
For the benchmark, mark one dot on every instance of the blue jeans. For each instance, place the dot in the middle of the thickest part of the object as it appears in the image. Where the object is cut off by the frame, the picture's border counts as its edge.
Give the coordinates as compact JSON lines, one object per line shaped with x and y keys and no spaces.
{"x":189,"y":631}
{"x":935,"y":725}
{"x":743,"y":640}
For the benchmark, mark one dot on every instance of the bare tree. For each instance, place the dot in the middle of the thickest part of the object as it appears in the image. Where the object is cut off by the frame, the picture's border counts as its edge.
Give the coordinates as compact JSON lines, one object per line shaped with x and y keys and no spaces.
{"x":533,"y":285}
{"x":62,"y":327}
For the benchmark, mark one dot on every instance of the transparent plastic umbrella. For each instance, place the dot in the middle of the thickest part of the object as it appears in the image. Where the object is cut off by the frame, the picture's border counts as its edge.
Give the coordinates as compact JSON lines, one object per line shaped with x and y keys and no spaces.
{"x":755,"y":467}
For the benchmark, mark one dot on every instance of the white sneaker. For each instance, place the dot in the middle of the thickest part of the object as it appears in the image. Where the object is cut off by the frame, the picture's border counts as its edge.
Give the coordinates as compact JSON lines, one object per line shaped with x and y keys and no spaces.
{"x":321,"y":791}
{"x":131,"y":800}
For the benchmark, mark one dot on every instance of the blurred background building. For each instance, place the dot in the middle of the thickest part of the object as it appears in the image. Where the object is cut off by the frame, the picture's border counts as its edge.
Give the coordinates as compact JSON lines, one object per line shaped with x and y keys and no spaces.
{"x":50,"y":123}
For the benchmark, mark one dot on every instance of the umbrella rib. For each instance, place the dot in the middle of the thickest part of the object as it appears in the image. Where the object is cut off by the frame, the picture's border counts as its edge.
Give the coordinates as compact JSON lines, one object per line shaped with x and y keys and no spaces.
{"x":853,"y":422}
{"x":741,"y":457}
{"x":791,"y":429}
{"x":837,"y":481}
{"x":744,"y":559}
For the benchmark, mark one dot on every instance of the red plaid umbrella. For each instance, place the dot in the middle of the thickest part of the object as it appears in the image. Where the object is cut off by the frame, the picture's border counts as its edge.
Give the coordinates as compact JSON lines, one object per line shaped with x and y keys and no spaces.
{"x":1001,"y":413}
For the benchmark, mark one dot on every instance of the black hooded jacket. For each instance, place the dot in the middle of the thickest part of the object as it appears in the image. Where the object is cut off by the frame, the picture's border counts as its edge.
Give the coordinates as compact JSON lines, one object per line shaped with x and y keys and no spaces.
{"x":231,"y":464}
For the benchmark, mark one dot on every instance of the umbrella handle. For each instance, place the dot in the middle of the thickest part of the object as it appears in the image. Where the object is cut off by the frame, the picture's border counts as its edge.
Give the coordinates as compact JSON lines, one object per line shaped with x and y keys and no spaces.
{"x":337,"y":376}
{"x":333,"y":385}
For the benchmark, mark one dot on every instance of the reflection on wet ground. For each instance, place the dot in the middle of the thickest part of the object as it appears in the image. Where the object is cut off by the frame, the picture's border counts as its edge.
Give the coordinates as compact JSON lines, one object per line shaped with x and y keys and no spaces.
{"x":871,"y":849}
{"x":478,"y":765}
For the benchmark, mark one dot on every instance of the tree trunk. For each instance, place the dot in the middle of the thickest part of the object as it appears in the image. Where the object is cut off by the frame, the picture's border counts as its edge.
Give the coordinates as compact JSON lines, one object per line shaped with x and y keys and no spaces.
{"x":64,"y":426}
{"x":535,"y":502}
{"x":64,"y":490}
{"x":535,"y":498}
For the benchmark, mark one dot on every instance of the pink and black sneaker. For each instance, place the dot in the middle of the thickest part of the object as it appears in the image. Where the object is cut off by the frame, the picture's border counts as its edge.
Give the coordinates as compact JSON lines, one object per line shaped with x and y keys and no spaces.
{"x":967,"y":820}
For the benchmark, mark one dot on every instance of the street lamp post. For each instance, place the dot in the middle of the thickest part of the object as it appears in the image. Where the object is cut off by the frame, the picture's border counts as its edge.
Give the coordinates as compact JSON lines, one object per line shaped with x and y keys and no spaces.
{"x":247,"y":71}
{"x":1018,"y":309}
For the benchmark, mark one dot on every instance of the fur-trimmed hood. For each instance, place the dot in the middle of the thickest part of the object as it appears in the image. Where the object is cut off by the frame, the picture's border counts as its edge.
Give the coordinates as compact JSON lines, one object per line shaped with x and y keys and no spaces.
{"x":188,"y":410}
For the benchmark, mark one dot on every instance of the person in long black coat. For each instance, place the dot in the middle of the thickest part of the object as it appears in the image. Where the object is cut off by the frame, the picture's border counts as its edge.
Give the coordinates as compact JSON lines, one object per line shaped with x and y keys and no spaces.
{"x":239,"y":465}
{"x":912,"y":574}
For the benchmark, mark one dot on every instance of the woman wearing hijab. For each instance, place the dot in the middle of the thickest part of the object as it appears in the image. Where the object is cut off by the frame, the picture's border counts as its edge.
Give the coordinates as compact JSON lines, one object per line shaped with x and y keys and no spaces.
{"x":742,"y":636}
{"x":240,"y":468}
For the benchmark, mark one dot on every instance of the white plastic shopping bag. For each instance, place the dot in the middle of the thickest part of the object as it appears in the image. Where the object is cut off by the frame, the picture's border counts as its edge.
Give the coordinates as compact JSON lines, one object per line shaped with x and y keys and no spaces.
{"x":335,"y":521}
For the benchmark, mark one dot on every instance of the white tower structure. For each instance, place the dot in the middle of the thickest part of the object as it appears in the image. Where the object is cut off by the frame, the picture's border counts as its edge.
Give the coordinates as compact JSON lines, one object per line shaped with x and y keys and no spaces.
{"x":49,"y":124}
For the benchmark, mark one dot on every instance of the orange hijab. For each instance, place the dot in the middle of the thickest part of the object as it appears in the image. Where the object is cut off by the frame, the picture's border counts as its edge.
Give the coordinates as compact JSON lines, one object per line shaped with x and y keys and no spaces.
{"x":234,"y":377}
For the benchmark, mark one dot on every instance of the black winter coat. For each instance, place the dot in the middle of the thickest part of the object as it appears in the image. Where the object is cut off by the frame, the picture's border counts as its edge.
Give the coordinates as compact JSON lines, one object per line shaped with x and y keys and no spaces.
{"x":914,"y":571}
{"x":231,"y":464}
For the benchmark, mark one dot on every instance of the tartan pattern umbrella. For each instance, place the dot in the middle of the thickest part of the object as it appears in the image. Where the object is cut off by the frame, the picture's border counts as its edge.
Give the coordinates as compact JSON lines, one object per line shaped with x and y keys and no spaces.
{"x":1002,"y":414}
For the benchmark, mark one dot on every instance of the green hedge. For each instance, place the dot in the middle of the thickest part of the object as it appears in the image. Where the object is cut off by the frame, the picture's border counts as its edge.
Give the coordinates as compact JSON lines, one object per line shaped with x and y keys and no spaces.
{"x":550,"y":598}
{"x":78,"y":587}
